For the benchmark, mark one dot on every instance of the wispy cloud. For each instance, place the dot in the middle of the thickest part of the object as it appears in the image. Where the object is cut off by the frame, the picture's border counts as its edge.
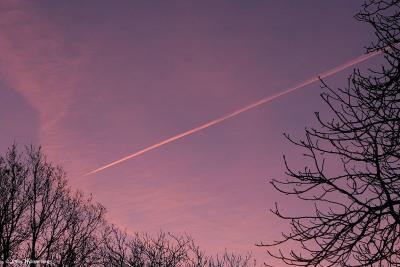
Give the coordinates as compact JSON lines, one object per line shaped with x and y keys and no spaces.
{"x":35,"y":62}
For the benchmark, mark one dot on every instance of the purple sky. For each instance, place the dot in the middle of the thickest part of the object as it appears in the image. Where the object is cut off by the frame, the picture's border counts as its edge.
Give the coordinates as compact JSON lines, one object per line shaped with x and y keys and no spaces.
{"x":93,"y":81}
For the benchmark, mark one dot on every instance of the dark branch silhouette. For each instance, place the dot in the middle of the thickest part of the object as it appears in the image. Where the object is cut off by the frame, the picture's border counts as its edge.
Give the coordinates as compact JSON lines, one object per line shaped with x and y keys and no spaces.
{"x":353,"y":177}
{"x":44,"y":222}
{"x":163,"y":250}
{"x":40,"y":219}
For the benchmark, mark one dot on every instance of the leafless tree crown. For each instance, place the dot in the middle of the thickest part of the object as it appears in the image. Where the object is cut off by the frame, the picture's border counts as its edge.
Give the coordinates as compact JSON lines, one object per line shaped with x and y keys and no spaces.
{"x":43,"y":221}
{"x":353,"y":179}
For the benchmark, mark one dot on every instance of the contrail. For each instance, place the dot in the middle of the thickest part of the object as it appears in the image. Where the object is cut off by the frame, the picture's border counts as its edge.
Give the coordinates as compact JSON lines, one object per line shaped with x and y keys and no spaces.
{"x":243,"y":109}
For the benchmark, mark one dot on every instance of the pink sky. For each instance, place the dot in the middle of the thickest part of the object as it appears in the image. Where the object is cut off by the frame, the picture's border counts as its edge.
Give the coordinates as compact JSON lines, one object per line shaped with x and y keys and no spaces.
{"x":94,"y":81}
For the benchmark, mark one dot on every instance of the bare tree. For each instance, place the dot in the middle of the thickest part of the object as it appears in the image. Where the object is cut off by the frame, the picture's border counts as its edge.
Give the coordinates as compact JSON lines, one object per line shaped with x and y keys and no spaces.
{"x":232,"y":260}
{"x":82,"y":236}
{"x":13,"y":188}
{"x":163,"y":250}
{"x":44,"y":222}
{"x":353,"y":179}
{"x":40,"y":219}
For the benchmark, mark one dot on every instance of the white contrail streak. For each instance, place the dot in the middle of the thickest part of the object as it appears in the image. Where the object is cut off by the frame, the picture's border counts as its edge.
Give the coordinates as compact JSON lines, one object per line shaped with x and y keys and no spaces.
{"x":243,"y":109}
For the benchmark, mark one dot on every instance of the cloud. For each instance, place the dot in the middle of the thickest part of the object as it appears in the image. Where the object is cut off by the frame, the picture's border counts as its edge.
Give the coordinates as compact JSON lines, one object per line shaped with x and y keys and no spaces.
{"x":37,"y":62}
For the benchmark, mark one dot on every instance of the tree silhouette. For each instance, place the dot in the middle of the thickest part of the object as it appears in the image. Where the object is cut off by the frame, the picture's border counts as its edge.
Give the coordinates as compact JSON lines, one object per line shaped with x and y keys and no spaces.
{"x":163,"y":250}
{"x":353,"y":179}
{"x":44,"y":222}
{"x":13,"y":188}
{"x":40,"y":219}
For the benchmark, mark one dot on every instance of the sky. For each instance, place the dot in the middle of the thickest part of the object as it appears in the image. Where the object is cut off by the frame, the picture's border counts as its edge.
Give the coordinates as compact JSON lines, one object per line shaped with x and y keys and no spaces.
{"x":94,"y":81}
